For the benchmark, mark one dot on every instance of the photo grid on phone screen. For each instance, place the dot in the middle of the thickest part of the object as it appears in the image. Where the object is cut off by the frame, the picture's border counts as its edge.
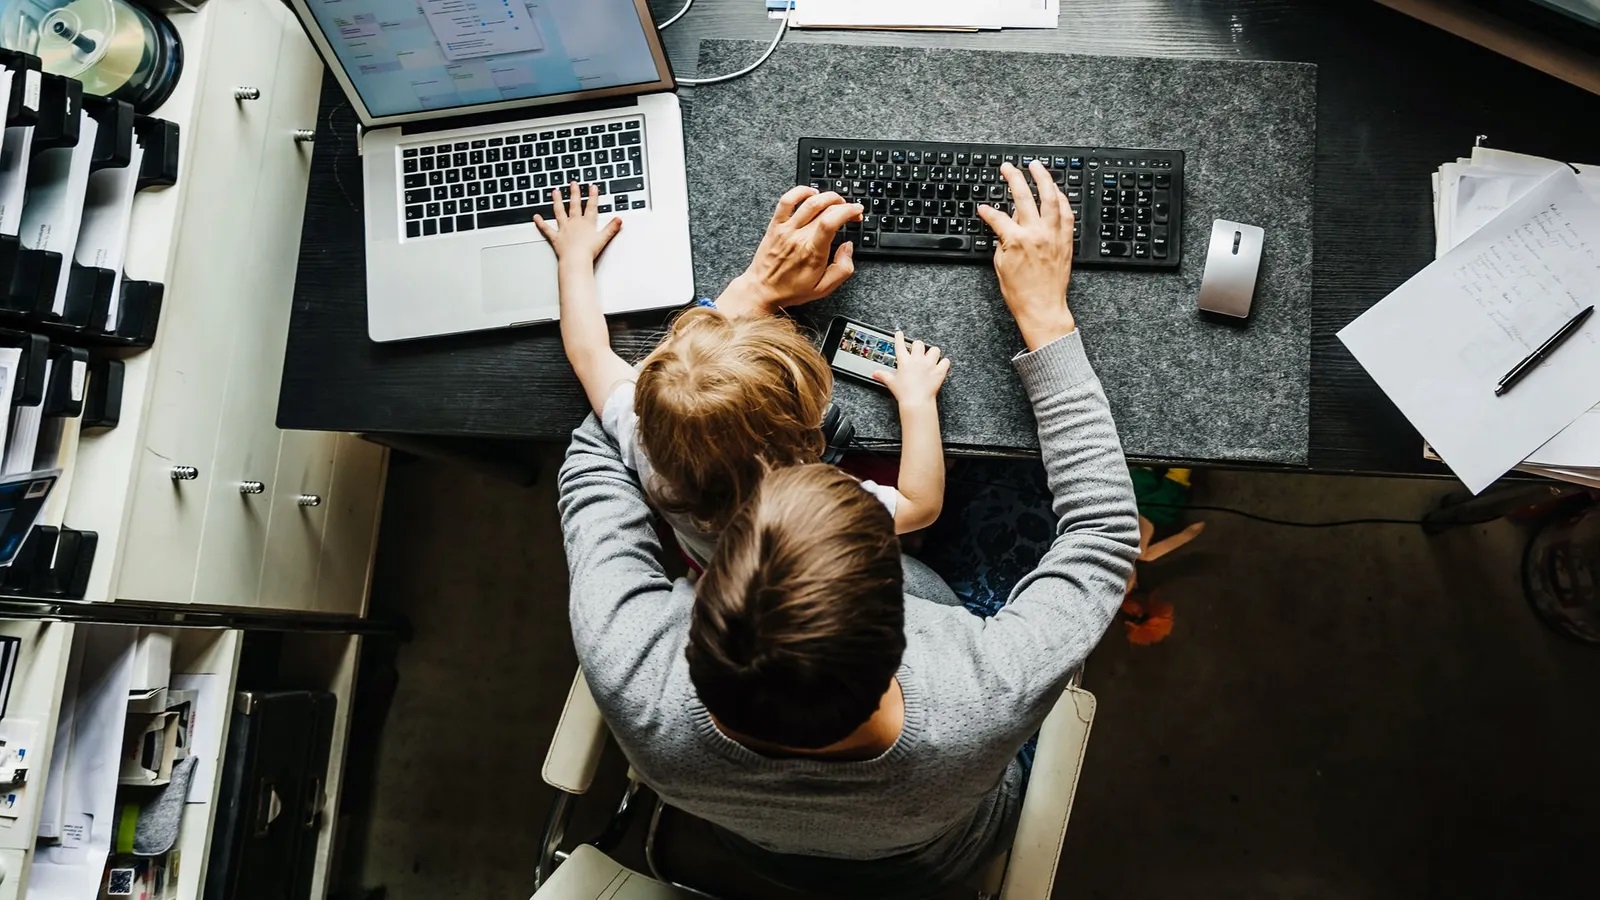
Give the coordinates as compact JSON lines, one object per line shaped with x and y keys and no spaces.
{"x":862,"y":352}
{"x":871,"y":347}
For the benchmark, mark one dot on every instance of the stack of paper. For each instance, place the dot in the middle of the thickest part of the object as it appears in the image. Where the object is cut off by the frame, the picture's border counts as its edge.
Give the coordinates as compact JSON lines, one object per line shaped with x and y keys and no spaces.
{"x":934,"y":15}
{"x":1467,"y":194}
{"x":1517,"y":259}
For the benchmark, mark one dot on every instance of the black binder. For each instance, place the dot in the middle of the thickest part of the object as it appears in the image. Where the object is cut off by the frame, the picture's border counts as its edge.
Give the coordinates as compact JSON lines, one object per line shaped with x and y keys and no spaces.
{"x":275,"y":764}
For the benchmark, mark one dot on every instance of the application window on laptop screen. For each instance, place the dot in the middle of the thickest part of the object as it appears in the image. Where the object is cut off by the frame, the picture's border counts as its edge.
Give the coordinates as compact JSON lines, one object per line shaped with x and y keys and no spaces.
{"x":407,"y":56}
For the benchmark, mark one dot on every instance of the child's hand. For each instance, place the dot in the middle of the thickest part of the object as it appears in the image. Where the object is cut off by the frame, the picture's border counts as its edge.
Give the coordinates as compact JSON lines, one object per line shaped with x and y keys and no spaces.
{"x":918,"y":374}
{"x":573,"y":234}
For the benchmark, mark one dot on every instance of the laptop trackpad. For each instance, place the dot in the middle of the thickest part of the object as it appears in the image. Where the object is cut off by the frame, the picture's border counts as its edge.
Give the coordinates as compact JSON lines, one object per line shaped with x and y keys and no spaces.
{"x":521,"y":278}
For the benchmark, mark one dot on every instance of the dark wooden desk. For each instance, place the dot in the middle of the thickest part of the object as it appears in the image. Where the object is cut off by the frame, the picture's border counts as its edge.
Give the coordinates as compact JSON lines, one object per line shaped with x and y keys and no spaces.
{"x":1395,"y":99}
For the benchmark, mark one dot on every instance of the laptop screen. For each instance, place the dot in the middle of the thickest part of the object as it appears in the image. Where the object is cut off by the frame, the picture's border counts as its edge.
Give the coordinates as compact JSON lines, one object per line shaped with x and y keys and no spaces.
{"x":403,"y":57}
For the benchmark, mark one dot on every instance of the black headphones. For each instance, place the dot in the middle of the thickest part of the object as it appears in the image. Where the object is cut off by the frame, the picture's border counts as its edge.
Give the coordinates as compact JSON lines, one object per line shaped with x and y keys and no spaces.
{"x":837,"y":432}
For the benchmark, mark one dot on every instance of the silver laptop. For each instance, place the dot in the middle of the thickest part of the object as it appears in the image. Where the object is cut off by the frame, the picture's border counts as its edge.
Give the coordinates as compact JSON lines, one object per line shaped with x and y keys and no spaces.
{"x":474,"y":110}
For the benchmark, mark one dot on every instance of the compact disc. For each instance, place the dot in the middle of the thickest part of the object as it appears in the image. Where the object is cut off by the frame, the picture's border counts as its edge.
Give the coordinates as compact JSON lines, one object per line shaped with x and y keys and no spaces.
{"x":114,"y":48}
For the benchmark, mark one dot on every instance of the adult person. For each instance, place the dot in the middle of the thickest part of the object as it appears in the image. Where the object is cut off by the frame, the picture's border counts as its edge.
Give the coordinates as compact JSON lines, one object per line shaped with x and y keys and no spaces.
{"x":843,"y":722}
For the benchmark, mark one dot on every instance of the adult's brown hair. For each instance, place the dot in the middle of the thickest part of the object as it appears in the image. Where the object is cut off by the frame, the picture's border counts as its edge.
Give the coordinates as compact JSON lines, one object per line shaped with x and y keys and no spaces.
{"x":799,"y":620}
{"x":722,"y":401}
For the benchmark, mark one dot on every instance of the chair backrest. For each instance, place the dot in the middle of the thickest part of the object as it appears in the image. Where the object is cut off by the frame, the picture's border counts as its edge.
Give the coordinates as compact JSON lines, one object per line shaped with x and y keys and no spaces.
{"x":589,"y":874}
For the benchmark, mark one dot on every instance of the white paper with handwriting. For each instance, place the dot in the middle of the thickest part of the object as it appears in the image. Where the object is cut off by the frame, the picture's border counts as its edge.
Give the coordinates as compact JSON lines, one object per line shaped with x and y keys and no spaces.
{"x":1439,"y":343}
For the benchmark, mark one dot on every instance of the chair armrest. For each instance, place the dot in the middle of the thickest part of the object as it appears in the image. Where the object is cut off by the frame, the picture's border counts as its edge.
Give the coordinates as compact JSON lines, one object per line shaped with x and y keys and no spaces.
{"x":575,"y":748}
{"x":1042,"y":828}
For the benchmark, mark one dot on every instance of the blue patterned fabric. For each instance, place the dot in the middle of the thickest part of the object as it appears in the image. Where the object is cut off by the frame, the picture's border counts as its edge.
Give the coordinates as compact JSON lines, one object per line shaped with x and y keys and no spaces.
{"x":995,"y":528}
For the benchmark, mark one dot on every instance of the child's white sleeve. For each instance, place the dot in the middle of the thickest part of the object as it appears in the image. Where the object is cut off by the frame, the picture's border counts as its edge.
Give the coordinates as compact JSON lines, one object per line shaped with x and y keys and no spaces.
{"x":886,"y":495}
{"x":621,"y":424}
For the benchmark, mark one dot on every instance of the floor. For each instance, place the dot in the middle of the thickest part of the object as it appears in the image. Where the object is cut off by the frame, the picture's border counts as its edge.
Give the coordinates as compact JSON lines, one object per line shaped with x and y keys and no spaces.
{"x":1356,"y":712}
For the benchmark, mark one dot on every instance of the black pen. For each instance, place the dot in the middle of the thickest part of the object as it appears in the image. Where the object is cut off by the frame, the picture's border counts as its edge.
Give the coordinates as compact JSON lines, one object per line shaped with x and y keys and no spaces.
{"x":1543,"y":353}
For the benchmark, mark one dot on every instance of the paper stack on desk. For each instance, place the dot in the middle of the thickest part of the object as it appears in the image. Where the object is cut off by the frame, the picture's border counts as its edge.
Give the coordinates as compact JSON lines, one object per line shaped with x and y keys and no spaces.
{"x":1467,"y":194}
{"x":925,"y":15}
{"x":1518,"y":256}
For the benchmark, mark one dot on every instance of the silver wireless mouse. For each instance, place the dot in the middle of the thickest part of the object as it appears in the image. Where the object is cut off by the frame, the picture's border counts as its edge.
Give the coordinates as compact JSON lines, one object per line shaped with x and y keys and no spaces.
{"x":1232,"y":264}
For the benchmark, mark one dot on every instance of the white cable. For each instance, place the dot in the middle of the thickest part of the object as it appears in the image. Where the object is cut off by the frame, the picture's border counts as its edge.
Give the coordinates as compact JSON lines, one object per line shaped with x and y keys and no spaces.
{"x":783,"y":28}
{"x":668,"y":23}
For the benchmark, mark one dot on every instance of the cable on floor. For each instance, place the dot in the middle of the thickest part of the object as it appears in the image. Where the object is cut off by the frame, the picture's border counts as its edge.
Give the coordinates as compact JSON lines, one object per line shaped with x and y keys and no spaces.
{"x":1289,"y":523}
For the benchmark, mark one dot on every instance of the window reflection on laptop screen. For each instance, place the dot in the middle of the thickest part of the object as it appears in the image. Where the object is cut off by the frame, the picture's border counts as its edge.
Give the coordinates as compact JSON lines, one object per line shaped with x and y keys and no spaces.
{"x":407,"y":56}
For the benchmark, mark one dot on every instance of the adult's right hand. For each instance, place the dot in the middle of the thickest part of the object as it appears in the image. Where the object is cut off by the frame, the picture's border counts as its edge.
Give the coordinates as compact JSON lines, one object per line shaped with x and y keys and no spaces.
{"x":795,"y":262}
{"x":1033,"y":255}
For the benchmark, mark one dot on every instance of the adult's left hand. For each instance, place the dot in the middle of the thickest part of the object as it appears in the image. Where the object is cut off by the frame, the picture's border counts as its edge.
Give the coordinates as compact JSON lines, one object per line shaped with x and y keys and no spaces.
{"x":796,"y":262}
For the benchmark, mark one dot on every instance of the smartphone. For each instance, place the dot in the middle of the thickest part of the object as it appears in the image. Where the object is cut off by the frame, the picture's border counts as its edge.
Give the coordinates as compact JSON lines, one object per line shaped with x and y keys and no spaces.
{"x":856,"y":349}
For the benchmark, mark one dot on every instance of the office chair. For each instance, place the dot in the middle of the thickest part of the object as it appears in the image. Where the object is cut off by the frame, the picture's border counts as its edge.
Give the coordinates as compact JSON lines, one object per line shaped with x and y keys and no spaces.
{"x":1025,"y":872}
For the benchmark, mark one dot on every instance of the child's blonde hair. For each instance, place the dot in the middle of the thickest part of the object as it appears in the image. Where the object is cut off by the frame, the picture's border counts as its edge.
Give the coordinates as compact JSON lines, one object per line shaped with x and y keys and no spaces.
{"x":721,"y":402}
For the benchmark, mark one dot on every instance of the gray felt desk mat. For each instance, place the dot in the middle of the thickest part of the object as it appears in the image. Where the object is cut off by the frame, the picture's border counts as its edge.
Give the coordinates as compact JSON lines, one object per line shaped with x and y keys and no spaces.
{"x":1180,"y":387}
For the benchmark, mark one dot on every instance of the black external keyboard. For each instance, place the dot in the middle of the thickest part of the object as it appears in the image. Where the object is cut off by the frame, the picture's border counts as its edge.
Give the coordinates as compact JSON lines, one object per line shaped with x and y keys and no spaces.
{"x":921,"y":197}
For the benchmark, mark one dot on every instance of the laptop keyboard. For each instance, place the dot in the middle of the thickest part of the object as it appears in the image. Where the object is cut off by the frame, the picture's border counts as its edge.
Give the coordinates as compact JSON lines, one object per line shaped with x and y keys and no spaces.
{"x":489,"y":182}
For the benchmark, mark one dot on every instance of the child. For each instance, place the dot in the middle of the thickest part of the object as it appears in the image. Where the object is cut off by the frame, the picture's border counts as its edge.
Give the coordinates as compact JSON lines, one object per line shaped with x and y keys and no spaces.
{"x":723,"y":400}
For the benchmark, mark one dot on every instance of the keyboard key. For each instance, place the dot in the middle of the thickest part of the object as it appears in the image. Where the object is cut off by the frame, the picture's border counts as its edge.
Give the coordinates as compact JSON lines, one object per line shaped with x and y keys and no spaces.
{"x":1129,"y":179}
{"x":604,"y":207}
{"x":457,"y":190}
{"x":580,"y":131}
{"x":441,"y":192}
{"x":430,"y":227}
{"x":413,"y":213}
{"x":628,"y":138}
{"x":1162,"y":210}
{"x":614,"y":126}
{"x":463,"y":223}
{"x":899,"y":241}
{"x":547,"y":135}
{"x":513,"y":139}
{"x":514,"y":199}
{"x":524,"y":182}
{"x":1158,"y":247}
{"x":1141,"y":251}
{"x":496,"y":141}
{"x":499,"y":217}
{"x":1163,"y":179}
{"x":447,"y":226}
{"x":525,"y":151}
{"x":413,"y":229}
{"x":608,"y":140}
{"x":563,"y":132}
{"x":449,"y":207}
{"x":638,"y":204}
{"x":1114,"y":248}
{"x":485,"y":171}
{"x":475,"y":157}
{"x":625,"y":186}
{"x":408,"y":152}
{"x":481,"y":204}
{"x":416,"y":179}
{"x":491,"y":155}
{"x":633,"y":125}
{"x":474,"y":188}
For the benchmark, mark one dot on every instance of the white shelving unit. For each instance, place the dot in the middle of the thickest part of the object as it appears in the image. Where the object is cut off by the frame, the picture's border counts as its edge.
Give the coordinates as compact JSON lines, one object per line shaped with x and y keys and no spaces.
{"x":225,"y":242}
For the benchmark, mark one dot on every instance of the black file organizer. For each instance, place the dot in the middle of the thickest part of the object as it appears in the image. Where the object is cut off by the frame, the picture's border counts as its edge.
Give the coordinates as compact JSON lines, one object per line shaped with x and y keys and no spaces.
{"x":55,"y":561}
{"x":29,"y":277}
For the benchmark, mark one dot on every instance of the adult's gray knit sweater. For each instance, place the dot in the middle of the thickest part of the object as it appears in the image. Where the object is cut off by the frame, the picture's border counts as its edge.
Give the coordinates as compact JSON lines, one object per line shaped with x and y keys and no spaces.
{"x":949,"y":790}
